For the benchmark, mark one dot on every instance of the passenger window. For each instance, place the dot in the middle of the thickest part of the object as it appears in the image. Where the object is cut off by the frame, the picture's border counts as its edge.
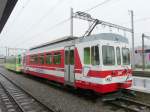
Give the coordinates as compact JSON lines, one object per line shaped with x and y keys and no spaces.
{"x":48,"y":58}
{"x":87,"y":55}
{"x":95,"y":55}
{"x":108,"y":55}
{"x":118,"y":56}
{"x":126,"y":56}
{"x":41,"y":59}
{"x":57,"y":58}
{"x":34,"y":59}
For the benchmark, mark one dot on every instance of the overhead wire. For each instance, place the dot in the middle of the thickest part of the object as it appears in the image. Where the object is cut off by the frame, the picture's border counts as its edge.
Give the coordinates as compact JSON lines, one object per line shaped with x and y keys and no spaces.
{"x":98,"y":5}
{"x":47,"y":29}
{"x":102,"y":3}
{"x":137,"y":20}
{"x":19,"y":13}
{"x":42,"y":18}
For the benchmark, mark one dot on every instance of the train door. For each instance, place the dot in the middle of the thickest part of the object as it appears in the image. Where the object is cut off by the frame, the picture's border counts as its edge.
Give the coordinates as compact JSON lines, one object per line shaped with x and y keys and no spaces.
{"x":69,"y":65}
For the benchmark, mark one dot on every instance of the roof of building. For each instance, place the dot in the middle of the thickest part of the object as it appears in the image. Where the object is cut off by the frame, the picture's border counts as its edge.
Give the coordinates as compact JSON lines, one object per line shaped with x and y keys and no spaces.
{"x":6,"y":7}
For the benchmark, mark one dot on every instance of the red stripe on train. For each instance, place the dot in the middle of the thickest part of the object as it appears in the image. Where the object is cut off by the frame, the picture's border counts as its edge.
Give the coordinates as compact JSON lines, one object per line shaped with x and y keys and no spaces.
{"x":113,"y":73}
{"x":103,"y":88}
{"x":46,"y":76}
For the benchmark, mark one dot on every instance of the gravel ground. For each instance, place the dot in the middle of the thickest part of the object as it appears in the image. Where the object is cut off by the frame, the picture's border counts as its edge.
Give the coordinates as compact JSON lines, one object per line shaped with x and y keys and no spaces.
{"x":56,"y":98}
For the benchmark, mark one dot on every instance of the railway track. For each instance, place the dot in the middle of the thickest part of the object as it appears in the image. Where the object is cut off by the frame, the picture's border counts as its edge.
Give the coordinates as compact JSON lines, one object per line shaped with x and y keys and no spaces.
{"x":15,"y":99}
{"x":130,"y":105}
{"x":127,"y":104}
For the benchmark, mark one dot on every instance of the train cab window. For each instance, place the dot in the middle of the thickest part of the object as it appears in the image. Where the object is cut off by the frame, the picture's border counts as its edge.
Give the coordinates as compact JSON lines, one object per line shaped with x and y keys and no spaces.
{"x":126,"y":56}
{"x":57,"y":58}
{"x":118,"y":56}
{"x":108,"y":55}
{"x":95,"y":55}
{"x":48,"y":58}
{"x":87,"y":55}
{"x":41,"y":59}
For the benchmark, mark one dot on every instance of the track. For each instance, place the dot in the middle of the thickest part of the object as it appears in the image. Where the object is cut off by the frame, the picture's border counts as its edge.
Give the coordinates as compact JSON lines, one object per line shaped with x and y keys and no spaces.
{"x":131,"y":105}
{"x":124,"y":103}
{"x":15,"y":99}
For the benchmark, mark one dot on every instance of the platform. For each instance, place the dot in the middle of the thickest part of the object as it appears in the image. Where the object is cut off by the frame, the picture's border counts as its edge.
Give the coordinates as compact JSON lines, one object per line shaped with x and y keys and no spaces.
{"x":141,"y":84}
{"x":141,"y":73}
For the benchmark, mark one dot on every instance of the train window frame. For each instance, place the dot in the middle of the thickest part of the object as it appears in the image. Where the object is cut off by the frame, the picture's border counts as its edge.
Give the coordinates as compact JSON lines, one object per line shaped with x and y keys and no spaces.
{"x":95,"y":59}
{"x":35,"y":59}
{"x":113,"y":56}
{"x":39,"y":59}
{"x":87,"y":60}
{"x":56,"y":54}
{"x":51,"y":61}
{"x":129,"y":61}
{"x":119,"y":56}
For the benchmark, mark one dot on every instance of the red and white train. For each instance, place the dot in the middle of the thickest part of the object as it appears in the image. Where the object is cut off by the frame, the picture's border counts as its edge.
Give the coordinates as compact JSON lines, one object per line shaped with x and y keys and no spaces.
{"x":98,"y":62}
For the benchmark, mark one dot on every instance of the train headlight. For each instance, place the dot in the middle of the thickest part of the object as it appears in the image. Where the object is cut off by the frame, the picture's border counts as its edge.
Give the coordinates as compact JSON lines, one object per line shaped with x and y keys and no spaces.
{"x":108,"y":78}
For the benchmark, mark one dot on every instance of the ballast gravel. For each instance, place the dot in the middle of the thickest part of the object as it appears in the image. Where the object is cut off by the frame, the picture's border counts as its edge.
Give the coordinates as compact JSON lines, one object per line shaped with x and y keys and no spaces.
{"x":57,"y":98}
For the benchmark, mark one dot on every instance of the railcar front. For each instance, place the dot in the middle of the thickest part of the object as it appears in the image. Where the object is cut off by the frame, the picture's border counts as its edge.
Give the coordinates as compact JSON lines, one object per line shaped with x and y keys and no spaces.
{"x":13,"y":63}
{"x":105,"y":62}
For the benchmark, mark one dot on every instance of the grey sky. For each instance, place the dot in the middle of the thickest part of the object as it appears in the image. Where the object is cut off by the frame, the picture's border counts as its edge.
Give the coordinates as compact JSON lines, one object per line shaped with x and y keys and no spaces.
{"x":34,"y":21}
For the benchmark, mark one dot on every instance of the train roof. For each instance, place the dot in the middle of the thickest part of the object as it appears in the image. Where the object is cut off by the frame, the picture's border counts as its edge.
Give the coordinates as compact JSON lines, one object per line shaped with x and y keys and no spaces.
{"x":66,"y":38}
{"x":101,"y":36}
{"x":106,"y":36}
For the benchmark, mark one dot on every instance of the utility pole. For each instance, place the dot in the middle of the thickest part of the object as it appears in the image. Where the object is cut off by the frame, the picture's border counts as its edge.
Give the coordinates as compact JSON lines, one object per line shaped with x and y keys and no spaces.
{"x":6,"y":51}
{"x":143,"y":50}
{"x":132,"y":28}
{"x":71,"y":22}
{"x":143,"y":53}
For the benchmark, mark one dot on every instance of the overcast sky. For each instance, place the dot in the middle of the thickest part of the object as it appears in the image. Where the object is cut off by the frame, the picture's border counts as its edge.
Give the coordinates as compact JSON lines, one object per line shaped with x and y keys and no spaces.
{"x":33,"y":22}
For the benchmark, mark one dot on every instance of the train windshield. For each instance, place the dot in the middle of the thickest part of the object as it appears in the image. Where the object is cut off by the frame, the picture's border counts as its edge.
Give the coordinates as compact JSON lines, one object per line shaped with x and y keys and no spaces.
{"x":126,"y":56}
{"x":95,"y":55}
{"x":91,"y":55}
{"x":108,"y":55}
{"x":118,"y":56}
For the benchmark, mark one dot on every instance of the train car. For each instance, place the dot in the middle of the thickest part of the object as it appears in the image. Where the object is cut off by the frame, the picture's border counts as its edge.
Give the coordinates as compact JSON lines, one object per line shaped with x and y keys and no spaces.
{"x":99,"y":62}
{"x":13,"y":63}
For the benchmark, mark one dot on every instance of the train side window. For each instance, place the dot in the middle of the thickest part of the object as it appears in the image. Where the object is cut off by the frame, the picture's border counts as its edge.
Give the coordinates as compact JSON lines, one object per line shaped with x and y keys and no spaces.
{"x":41,"y":59}
{"x":95,"y":55}
{"x":48,"y":58}
{"x":126,"y":56}
{"x":34,"y":59}
{"x":118,"y":56}
{"x":57,"y":58}
{"x":108,"y":55}
{"x":87,"y":55}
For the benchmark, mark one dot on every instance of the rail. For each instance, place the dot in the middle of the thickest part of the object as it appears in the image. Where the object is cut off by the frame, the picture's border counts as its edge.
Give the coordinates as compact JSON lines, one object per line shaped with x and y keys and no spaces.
{"x":131,"y":105}
{"x":23,"y":100}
